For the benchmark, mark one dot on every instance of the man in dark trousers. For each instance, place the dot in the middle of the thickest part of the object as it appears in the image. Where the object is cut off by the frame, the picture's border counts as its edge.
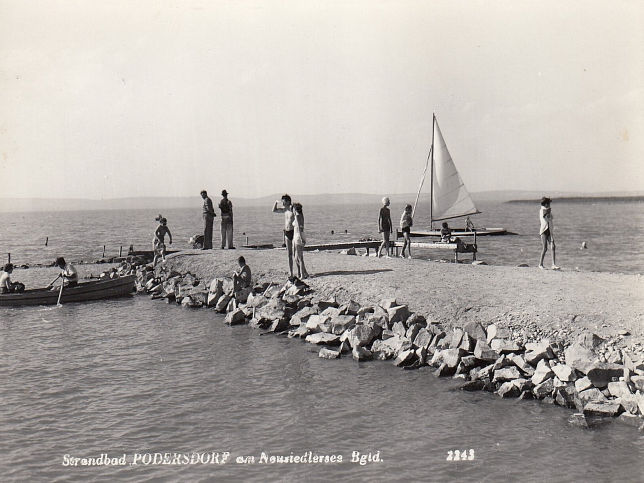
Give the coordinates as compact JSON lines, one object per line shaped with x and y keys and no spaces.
{"x":226,"y":208}
{"x":208,"y":217}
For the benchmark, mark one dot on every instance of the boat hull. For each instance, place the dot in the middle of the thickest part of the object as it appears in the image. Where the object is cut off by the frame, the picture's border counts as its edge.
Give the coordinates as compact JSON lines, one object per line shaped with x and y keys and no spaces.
{"x":83,"y":292}
{"x":461,"y":232}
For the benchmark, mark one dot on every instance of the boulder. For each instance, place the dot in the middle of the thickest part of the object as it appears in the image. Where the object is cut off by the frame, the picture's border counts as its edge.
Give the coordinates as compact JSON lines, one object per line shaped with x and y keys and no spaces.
{"x":416,"y":319}
{"x":508,"y":389}
{"x":520,"y":362}
{"x":456,"y":338}
{"x":381,"y":320}
{"x":362,"y":335}
{"x":341,"y":323}
{"x":619,"y":389}
{"x":629,"y":402}
{"x":215,"y":291}
{"x":589,"y":395}
{"x":582,"y":384}
{"x":421,"y":355}
{"x":399,"y":329}
{"x":301,"y":331}
{"x":256,"y":300}
{"x":475,"y":330}
{"x":325,"y":304}
{"x":541,"y":374}
{"x":506,"y":374}
{"x":452,"y":357}
{"x":589,"y":340}
{"x":222,"y":303}
{"x":319,"y":323}
{"x":490,"y":333}
{"x":381,"y":351}
{"x":345,"y":347}
{"x":413,"y":330}
{"x":564,"y":372}
{"x":638,"y":382}
{"x":349,"y":308}
{"x":328,"y":353}
{"x":399,"y":313}
{"x":279,"y":325}
{"x":438,"y":337}
{"x":602,"y":409}
{"x":467,"y":343}
{"x":503,"y":346}
{"x":469,"y":362}
{"x":444,"y":370}
{"x":302,"y":316}
{"x":523,"y":384}
{"x":274,"y":309}
{"x":484,"y":353}
{"x":565,"y":396}
{"x":482,"y":373}
{"x":476,"y":385}
{"x":543,"y":389}
{"x":235,"y":317}
{"x":579,"y":357}
{"x":361,"y":354}
{"x":405,"y":358}
{"x":388,"y":303}
{"x":323,"y":338}
{"x":330,"y":312}
{"x":539,"y":352}
{"x":601,"y":373}
{"x":363,"y":311}
{"x":423,"y":338}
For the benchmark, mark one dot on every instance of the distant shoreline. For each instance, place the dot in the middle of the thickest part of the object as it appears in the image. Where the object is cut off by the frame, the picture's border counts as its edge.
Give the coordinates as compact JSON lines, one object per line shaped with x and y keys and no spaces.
{"x":585,"y":199}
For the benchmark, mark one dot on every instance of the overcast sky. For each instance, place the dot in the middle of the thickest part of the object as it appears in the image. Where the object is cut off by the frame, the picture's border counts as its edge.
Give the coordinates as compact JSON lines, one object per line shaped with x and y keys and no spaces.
{"x":117,"y":99}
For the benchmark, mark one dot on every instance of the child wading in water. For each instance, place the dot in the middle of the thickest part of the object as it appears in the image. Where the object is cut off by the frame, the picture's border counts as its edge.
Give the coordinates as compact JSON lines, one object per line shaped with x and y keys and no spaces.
{"x":406,"y":222}
{"x":545,"y":218}
{"x":158,"y":244}
{"x":384,"y":226}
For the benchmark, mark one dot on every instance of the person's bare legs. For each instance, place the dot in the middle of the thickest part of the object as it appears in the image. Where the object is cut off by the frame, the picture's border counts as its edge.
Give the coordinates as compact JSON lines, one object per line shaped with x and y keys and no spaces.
{"x":544,"y":249}
{"x":554,"y":265}
{"x":408,"y":244}
{"x":289,"y":249}
{"x":384,"y":244}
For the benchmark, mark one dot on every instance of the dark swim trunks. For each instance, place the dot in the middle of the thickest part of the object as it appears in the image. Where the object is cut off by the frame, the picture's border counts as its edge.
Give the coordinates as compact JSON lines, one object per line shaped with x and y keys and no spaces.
{"x":289,"y":234}
{"x":406,"y":229}
{"x":547,"y":234}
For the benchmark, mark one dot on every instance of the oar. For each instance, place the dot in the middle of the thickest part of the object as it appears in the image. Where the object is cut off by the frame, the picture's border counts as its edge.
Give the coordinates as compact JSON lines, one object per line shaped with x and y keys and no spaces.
{"x":60,"y":294}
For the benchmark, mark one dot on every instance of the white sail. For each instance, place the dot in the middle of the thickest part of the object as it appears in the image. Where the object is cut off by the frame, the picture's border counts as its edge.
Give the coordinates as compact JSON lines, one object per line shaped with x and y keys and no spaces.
{"x":450,"y":198}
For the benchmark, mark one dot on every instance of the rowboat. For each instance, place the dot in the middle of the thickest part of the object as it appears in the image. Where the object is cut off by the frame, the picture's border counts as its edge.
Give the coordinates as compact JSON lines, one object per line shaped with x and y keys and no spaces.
{"x":83,"y":292}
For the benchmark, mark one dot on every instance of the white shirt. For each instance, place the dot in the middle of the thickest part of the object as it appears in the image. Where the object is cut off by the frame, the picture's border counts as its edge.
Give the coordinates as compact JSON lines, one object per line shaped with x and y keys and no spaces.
{"x":5,"y":280}
{"x":546,"y":220}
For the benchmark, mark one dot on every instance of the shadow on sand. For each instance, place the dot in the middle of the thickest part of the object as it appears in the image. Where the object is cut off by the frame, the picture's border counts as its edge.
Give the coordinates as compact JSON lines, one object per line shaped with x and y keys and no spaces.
{"x":350,"y":272}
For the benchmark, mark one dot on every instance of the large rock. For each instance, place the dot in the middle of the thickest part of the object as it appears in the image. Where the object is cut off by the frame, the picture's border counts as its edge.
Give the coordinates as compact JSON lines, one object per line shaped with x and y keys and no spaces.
{"x":619,"y":389}
{"x":416,"y":319}
{"x":456,"y":338}
{"x":467,"y":342}
{"x":328,"y":353}
{"x":564,"y":372}
{"x":630,"y":402}
{"x":544,"y":389}
{"x":405,"y":358}
{"x":503,"y":346}
{"x":413,"y":330}
{"x":302,"y":316}
{"x":323,"y":338}
{"x":274,"y":309}
{"x":589,"y":340}
{"x":423,"y":338}
{"x":341,"y":323}
{"x":582,"y":384}
{"x":508,"y":389}
{"x":476,"y":385}
{"x":381,"y":351}
{"x":593,"y":395}
{"x":279,"y":325}
{"x":565,"y":396}
{"x":539,"y":352}
{"x":398,"y":313}
{"x":541,"y":374}
{"x":222,"y":303}
{"x":579,"y":357}
{"x":520,"y":362}
{"x":235,"y":317}
{"x":361,"y":354}
{"x":506,"y":374}
{"x":349,"y":308}
{"x":325,"y":304}
{"x":483,"y":352}
{"x":215,"y":291}
{"x":301,"y":332}
{"x":319,"y":323}
{"x":330,"y":312}
{"x":399,"y":329}
{"x":444,"y":370}
{"x":362,"y":334}
{"x":451,"y":357}
{"x":388,"y":303}
{"x":475,"y":330}
{"x":602,"y":409}
{"x":638,"y":382}
{"x":601,"y":373}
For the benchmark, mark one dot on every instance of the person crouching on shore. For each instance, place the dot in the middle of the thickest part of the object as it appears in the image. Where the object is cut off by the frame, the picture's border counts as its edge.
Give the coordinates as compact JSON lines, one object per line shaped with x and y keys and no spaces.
{"x":242,"y":281}
{"x":406,"y":222}
{"x":384,"y":227}
{"x":546,"y":231}
{"x":68,"y":273}
{"x":6,"y":285}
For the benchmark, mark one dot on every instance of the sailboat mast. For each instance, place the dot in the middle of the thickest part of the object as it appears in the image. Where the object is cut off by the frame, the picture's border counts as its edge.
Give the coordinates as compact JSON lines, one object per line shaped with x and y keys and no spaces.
{"x":431,"y":176}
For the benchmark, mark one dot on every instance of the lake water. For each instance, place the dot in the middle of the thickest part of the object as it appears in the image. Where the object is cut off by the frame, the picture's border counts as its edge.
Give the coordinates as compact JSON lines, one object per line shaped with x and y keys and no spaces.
{"x":138,"y":376}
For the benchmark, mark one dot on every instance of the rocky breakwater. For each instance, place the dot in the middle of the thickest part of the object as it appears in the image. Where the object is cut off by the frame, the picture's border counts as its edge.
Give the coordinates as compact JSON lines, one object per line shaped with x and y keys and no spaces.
{"x":572,"y":375}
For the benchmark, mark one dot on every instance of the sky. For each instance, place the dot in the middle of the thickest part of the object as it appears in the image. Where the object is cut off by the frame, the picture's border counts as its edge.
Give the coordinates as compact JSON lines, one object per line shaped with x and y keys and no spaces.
{"x":164,"y":98}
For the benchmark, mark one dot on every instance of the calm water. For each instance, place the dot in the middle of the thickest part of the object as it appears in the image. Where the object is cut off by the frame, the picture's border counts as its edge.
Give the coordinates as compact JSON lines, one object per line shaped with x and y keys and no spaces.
{"x":613,"y":232}
{"x":134,"y":375}
{"x":137,"y":376}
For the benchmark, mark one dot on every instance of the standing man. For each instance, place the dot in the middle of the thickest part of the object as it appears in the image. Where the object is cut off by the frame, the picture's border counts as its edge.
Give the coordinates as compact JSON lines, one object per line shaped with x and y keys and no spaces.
{"x":288,"y":227}
{"x":546,"y":231}
{"x":226,"y":208}
{"x":208,"y":217}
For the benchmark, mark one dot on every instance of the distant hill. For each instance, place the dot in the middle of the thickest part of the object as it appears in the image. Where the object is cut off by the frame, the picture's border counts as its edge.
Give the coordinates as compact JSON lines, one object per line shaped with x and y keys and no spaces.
{"x":584,"y":199}
{"x":17,"y":205}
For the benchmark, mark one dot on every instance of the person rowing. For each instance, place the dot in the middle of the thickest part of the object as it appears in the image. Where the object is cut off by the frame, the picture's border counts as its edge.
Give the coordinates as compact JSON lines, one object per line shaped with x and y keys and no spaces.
{"x":68,"y":273}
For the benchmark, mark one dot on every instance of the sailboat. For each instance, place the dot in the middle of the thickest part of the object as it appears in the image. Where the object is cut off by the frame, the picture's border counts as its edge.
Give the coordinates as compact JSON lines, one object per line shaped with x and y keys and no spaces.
{"x":448,"y":196}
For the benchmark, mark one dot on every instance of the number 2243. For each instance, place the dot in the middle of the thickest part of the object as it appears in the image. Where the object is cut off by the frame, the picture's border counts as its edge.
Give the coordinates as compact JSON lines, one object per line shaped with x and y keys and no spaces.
{"x":457,"y":455}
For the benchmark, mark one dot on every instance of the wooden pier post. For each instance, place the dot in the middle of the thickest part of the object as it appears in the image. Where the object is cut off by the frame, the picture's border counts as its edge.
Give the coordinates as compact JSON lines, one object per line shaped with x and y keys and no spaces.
{"x":103,"y":252}
{"x":121,"y":251}
{"x":8,"y":257}
{"x":46,"y":241}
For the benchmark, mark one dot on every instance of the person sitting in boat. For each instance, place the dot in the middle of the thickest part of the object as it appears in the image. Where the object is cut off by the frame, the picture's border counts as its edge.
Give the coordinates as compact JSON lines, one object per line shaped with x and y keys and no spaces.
{"x":6,"y":285}
{"x":68,"y":273}
{"x":158,"y":244}
{"x":406,"y":222}
{"x":446,"y":233}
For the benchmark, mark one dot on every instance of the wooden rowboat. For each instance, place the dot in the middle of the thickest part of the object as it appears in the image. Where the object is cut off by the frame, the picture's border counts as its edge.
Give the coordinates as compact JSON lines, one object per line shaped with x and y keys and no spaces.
{"x":94,"y":290}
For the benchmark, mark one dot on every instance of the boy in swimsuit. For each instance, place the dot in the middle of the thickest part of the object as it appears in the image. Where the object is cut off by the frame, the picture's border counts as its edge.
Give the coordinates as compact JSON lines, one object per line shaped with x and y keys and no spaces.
{"x":545,"y":231}
{"x":288,"y":228}
{"x":406,"y":223}
{"x":446,"y":233}
{"x":384,"y":226}
{"x":158,"y":244}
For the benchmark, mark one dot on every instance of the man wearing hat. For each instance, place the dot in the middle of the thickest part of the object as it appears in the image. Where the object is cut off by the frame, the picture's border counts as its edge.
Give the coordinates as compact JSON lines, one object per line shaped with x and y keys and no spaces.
{"x":208,"y":218}
{"x":226,"y":209}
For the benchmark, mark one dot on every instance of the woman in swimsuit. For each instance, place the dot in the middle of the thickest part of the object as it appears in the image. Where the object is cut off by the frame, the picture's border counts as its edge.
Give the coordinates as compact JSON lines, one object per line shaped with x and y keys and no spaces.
{"x":298,"y":240}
